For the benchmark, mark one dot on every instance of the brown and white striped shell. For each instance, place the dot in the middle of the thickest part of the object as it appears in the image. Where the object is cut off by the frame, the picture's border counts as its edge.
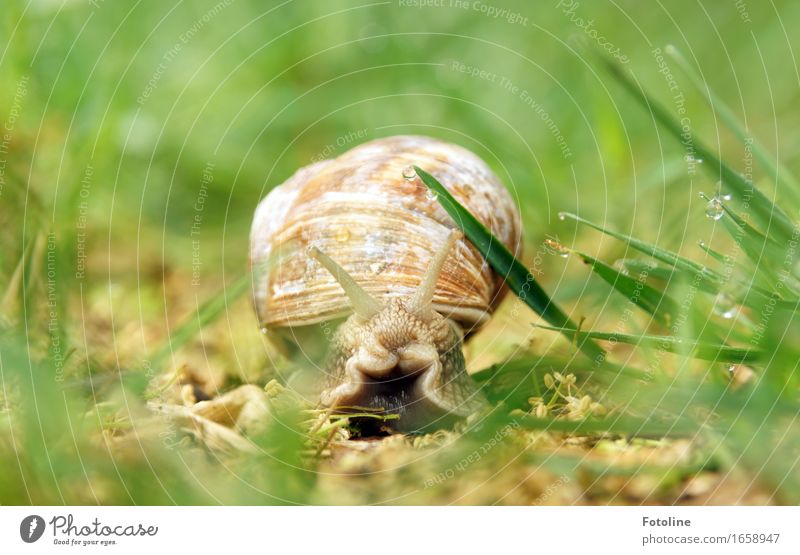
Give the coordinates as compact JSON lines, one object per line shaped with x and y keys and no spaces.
{"x":381,"y":227}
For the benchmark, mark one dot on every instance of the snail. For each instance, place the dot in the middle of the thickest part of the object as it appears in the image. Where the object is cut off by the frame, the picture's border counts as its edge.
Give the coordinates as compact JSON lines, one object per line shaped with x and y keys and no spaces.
{"x":360,"y":237}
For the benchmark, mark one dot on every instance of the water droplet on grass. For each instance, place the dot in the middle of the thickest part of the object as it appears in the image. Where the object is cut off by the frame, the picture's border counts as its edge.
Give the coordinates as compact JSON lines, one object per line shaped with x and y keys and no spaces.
{"x":714,"y":209}
{"x":409,"y":173}
{"x":725,"y":306}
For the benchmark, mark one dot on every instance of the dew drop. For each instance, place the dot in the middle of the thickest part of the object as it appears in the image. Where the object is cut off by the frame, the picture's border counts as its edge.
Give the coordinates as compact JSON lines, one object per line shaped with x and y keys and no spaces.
{"x":264,"y":330}
{"x":725,"y":306}
{"x":431,"y":195}
{"x":714,"y":209}
{"x":342,"y":234}
{"x":702,"y":244}
{"x":728,"y":314}
{"x":409,"y":173}
{"x":562,"y":216}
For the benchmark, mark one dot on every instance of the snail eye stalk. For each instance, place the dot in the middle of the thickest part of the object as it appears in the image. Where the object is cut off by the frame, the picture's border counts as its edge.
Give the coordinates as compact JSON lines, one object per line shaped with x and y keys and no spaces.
{"x":364,"y":305}
{"x":422,"y":298}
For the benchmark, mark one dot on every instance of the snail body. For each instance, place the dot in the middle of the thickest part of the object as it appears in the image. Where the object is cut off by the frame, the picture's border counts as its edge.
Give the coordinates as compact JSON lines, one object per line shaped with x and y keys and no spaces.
{"x":360,"y":235}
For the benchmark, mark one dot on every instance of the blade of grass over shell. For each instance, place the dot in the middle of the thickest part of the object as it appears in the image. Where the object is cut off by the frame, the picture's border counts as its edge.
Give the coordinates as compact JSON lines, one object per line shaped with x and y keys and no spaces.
{"x":780,"y":173}
{"x":646,"y":297}
{"x":771,"y":216}
{"x":518,"y":278}
{"x":671,"y":344}
{"x":206,"y":313}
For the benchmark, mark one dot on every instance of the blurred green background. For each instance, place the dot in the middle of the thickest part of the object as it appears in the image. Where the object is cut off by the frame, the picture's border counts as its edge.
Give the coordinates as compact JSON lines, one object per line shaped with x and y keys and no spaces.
{"x":142,"y":134}
{"x":259,"y":89}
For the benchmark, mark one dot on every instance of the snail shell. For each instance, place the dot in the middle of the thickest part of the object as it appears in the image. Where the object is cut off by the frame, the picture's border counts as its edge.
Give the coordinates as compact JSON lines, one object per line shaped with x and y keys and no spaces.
{"x":361,"y":234}
{"x":382,"y":228}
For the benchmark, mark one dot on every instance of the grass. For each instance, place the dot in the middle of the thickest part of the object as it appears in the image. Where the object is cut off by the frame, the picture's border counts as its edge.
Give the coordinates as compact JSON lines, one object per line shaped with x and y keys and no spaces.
{"x":123,"y":266}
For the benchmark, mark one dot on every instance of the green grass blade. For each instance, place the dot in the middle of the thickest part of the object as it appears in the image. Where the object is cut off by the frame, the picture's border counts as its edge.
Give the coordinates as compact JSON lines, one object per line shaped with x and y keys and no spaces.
{"x":769,"y":215}
{"x":646,"y":297}
{"x":760,"y":249}
{"x":716,"y":255}
{"x":779,"y":172}
{"x":518,"y":278}
{"x":668,"y":257}
{"x":748,"y":292}
{"x":707,"y":280}
{"x":652,"y":269}
{"x":665,"y":274}
{"x":671,"y":344}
